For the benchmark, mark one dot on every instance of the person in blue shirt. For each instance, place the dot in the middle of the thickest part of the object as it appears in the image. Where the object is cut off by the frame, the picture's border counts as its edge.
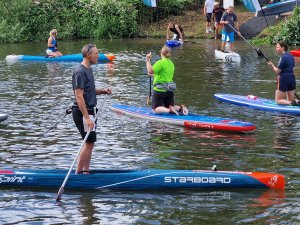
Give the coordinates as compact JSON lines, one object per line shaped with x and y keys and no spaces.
{"x":286,"y":81}
{"x":229,"y":20}
{"x":52,"y":45}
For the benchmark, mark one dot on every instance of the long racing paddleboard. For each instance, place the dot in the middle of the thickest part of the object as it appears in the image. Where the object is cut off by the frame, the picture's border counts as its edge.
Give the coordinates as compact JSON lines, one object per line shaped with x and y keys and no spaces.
{"x":228,"y":56}
{"x":191,"y":120}
{"x":257,"y":103}
{"x":152,"y":179}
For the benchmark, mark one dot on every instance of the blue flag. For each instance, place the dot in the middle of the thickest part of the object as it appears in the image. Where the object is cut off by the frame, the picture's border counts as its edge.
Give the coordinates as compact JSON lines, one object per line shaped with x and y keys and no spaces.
{"x":150,"y":3}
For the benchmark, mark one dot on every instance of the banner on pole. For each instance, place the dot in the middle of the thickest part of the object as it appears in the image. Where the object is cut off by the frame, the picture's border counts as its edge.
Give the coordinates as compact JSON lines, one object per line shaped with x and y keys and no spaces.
{"x":150,"y":3}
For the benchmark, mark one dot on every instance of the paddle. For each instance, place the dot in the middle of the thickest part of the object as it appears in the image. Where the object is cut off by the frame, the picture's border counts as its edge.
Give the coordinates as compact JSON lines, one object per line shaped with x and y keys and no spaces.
{"x":61,"y":189}
{"x":258,"y":51}
{"x":149,"y":96}
{"x":192,"y":42}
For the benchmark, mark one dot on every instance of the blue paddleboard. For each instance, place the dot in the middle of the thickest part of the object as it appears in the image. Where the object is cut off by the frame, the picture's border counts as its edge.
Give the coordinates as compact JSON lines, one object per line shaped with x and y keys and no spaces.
{"x":173,"y":43}
{"x":257,"y":103}
{"x":191,"y":120}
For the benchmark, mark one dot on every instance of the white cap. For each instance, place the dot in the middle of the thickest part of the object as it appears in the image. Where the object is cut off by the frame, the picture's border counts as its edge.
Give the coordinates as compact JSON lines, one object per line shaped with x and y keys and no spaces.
{"x":216,"y":3}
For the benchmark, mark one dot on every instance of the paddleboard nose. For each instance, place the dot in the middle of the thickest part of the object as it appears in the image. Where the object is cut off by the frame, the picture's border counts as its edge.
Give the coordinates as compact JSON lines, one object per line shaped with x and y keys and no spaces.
{"x":110,"y":57}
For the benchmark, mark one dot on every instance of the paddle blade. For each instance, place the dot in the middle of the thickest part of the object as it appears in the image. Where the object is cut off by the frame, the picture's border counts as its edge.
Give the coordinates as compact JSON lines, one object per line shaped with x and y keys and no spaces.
{"x":148,"y":100}
{"x":59,"y":194}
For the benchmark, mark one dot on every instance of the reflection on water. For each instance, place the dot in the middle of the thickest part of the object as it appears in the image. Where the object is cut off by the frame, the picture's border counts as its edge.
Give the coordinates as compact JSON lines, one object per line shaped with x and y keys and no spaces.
{"x":141,"y":207}
{"x":36,"y":95}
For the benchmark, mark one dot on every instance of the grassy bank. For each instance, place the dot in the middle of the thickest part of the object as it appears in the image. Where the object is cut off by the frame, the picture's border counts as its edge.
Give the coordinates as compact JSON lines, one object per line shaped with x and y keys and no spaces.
{"x":192,"y":22}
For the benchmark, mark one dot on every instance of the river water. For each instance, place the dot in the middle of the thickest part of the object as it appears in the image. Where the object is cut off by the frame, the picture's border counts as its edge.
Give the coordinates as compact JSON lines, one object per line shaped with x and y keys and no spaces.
{"x":36,"y":95}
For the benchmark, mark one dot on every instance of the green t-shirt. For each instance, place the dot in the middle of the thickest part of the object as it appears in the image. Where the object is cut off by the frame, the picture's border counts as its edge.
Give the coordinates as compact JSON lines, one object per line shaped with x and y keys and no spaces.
{"x":163,"y":72}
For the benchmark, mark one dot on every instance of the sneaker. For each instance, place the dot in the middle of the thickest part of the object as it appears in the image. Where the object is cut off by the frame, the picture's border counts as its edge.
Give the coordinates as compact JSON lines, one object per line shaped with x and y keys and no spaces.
{"x":183,"y":110}
{"x":173,"y":111}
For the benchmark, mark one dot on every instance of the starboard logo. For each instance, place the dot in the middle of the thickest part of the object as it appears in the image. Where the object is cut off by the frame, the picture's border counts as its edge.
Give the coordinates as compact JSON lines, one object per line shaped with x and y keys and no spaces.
{"x":7,"y":179}
{"x":273,"y":181}
{"x":198,"y":180}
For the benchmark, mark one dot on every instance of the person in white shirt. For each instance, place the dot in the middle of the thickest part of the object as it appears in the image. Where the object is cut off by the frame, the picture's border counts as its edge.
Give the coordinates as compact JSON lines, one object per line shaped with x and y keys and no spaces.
{"x":208,"y":10}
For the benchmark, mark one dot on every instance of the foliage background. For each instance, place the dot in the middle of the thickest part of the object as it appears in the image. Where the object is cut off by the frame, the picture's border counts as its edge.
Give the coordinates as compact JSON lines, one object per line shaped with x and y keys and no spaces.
{"x":31,"y":20}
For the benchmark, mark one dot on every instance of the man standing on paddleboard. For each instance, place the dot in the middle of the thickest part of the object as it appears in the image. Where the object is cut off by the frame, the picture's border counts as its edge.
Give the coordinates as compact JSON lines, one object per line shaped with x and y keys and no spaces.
{"x":229,"y":19}
{"x":286,"y":81}
{"x":84,"y":108}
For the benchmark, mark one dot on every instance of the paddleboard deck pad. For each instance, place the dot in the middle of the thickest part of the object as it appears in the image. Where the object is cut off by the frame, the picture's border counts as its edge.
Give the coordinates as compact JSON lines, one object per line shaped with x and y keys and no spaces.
{"x":191,"y":120}
{"x":257,"y":103}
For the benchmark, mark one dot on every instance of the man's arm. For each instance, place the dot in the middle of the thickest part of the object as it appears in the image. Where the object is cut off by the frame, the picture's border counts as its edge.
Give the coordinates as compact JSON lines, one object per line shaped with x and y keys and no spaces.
{"x":106,"y":91}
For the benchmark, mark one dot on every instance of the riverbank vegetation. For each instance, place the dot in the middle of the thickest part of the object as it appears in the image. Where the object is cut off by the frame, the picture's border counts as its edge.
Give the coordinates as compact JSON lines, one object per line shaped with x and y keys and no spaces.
{"x":288,"y":31}
{"x":31,"y":20}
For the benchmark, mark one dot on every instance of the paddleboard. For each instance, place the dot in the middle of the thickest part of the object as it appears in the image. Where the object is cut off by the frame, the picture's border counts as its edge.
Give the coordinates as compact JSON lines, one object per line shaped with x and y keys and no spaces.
{"x":3,"y":117}
{"x":148,"y":179}
{"x":277,"y":8}
{"x":191,"y":120}
{"x":228,"y":56}
{"x":257,"y":103}
{"x":65,"y":58}
{"x":296,"y":53}
{"x":173,"y":43}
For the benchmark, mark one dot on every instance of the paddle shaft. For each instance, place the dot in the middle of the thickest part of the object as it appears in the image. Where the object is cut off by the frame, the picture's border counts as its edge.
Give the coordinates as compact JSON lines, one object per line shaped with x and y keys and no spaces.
{"x":61,"y":190}
{"x":258,"y":51}
{"x":150,"y":86}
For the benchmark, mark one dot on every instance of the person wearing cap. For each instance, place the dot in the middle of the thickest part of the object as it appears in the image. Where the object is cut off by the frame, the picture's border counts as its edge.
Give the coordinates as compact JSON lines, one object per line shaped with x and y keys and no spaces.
{"x":208,"y":10}
{"x":84,"y":107}
{"x":230,"y":22}
{"x":217,"y":15}
{"x":52,"y":45}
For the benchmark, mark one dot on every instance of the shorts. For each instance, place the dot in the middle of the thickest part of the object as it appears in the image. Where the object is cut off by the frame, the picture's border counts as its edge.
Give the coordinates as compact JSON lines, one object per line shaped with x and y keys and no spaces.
{"x":79,"y":122}
{"x":286,"y":83}
{"x":208,"y":17}
{"x":227,"y":36}
{"x":162,"y":99}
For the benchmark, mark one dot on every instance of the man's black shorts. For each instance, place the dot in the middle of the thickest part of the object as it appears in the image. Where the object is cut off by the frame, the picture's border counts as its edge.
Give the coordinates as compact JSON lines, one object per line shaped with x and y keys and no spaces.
{"x":78,"y":119}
